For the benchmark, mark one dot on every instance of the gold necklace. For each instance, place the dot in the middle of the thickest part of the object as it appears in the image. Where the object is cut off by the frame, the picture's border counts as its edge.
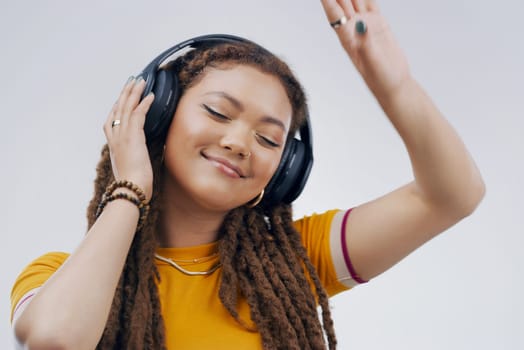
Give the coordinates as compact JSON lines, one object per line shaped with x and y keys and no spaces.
{"x":187,"y":272}
{"x":196,"y":260}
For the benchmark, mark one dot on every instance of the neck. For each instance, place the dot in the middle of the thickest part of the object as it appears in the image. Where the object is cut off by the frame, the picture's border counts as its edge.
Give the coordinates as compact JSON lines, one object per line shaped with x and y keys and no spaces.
{"x":183,"y":223}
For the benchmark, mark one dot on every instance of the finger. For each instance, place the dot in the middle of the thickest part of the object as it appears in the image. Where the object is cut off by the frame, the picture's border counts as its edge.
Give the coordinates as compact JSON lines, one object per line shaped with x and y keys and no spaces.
{"x":111,"y":115}
{"x":134,"y":97}
{"x":359,"y":5}
{"x":139,"y":117}
{"x":372,"y":5}
{"x":122,"y":101}
{"x":109,"y":119}
{"x":333,"y":10}
{"x":347,"y":8}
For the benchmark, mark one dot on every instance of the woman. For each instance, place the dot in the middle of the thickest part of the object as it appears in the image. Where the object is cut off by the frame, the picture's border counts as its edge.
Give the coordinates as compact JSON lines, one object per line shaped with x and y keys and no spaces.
{"x":207,"y":260}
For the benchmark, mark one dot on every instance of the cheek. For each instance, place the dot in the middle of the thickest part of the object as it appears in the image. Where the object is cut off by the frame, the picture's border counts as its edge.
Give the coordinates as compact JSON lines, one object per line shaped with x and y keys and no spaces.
{"x":186,"y":126}
{"x":180,"y":145}
{"x":267,"y":166}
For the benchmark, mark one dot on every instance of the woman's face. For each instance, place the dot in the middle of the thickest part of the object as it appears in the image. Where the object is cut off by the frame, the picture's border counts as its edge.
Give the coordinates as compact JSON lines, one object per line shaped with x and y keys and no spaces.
{"x":227,"y":137}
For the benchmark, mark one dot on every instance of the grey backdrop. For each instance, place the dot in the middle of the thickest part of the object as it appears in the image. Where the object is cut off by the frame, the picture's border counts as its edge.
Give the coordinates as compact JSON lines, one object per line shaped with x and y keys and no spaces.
{"x":64,"y":62}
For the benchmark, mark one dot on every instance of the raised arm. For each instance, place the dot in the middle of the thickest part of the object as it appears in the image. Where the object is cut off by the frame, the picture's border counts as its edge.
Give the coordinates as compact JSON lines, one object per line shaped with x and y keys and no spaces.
{"x":447,"y":185}
{"x":71,"y":309}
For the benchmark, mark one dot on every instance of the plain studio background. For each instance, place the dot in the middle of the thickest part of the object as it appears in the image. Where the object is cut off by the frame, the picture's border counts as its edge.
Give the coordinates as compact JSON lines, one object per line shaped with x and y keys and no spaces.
{"x":64,"y":63}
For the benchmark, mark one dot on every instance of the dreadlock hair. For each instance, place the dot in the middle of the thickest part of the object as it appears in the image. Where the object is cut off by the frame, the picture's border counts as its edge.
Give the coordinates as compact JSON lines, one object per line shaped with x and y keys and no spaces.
{"x":262,"y":256}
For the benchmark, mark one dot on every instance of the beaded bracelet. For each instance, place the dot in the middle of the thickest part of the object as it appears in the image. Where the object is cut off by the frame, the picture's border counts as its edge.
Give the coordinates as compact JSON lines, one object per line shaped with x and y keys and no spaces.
{"x":129,"y":185}
{"x":140,"y":202}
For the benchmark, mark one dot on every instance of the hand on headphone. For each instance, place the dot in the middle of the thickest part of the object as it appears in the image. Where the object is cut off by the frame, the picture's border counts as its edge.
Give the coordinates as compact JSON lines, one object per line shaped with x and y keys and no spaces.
{"x":124,"y":130}
{"x":366,"y":37}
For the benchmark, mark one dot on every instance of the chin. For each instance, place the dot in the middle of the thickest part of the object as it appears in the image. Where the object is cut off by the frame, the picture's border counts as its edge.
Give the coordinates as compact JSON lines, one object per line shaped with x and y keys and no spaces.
{"x":219,"y":202}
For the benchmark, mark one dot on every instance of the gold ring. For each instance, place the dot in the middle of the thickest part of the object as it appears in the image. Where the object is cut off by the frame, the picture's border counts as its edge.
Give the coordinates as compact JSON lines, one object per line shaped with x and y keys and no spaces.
{"x":115,"y":123}
{"x":339,"y":22}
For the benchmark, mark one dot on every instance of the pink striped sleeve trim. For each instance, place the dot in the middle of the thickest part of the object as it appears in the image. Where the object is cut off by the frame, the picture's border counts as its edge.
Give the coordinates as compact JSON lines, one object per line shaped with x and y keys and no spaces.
{"x":26,"y":298}
{"x":23,"y":302}
{"x":345,"y":252}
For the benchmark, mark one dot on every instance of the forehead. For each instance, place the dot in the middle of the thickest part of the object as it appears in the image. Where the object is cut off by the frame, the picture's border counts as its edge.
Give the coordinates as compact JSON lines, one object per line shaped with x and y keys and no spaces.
{"x":259,"y":92}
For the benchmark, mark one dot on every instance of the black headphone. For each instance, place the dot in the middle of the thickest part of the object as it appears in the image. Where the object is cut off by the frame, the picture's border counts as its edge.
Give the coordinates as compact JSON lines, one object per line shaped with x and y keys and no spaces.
{"x":297,"y":158}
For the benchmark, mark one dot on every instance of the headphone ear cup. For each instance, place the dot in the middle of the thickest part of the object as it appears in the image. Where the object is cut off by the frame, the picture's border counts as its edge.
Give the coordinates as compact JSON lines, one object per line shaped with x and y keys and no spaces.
{"x":291,"y":174}
{"x":158,"y":118}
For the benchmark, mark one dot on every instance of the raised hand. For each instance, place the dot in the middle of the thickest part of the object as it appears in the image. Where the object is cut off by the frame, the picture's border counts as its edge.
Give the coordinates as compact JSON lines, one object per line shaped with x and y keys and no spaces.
{"x":124,"y":130}
{"x":366,"y":37}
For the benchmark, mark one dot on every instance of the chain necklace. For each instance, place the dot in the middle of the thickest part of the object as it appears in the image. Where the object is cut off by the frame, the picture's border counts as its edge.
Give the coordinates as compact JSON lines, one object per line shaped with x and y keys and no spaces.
{"x":196,"y":260}
{"x":187,"y":272}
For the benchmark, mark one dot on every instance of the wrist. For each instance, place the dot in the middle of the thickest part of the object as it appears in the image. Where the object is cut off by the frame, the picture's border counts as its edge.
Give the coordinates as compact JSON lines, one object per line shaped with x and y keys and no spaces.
{"x":130,"y":192}
{"x":126,"y":191}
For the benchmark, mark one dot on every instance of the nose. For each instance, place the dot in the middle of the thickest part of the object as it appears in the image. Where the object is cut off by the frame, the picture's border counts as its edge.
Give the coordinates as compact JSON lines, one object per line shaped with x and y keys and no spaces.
{"x":236,"y":140}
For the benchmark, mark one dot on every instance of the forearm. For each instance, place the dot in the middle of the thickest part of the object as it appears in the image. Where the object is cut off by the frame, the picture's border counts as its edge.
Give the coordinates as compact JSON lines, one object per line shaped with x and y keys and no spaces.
{"x":445,"y":174}
{"x":73,"y":305}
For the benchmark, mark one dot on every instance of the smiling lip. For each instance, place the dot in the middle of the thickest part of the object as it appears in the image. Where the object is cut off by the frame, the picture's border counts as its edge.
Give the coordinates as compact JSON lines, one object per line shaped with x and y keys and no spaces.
{"x":226,"y":166}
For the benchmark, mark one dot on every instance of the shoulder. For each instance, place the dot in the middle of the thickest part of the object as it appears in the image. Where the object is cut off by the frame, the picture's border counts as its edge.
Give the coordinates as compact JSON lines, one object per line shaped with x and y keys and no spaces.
{"x":315,"y":221}
{"x":34,"y":275}
{"x":48,"y":262}
{"x":322,"y":237}
{"x":50,"y":258}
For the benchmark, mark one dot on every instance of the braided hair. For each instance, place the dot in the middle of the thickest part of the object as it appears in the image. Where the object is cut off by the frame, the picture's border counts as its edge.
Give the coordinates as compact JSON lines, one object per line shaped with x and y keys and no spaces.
{"x":262,"y":256}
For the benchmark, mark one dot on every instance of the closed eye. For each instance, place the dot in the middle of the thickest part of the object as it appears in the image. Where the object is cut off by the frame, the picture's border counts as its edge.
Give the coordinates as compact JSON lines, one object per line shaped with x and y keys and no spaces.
{"x":266,"y":141}
{"x":214,"y":113}
{"x":263,"y":140}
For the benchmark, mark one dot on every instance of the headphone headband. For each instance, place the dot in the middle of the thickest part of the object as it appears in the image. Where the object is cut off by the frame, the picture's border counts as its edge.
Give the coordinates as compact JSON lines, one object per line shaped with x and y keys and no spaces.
{"x":149,"y":72}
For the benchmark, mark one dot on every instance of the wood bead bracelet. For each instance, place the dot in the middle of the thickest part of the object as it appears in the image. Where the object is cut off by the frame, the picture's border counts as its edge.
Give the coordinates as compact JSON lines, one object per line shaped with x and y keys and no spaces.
{"x":139,"y":200}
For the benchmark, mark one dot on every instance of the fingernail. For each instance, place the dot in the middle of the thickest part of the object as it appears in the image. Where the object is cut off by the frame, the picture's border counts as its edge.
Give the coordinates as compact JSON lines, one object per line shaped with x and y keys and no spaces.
{"x":140,"y":79}
{"x":150,"y":94}
{"x":361,"y":27}
{"x":129,"y":80}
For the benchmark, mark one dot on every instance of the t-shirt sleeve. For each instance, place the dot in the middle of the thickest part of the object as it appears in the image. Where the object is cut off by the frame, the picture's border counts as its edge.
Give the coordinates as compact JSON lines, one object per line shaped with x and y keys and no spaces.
{"x":322,"y":236}
{"x":33,"y":276}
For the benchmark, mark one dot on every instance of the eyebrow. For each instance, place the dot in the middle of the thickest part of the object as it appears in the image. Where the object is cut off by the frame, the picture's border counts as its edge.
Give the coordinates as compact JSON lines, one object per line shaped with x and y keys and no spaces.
{"x":238,"y":105}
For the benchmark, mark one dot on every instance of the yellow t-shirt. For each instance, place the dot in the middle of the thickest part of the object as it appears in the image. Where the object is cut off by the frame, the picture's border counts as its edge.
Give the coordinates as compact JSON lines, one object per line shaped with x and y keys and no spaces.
{"x":193,"y":314}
